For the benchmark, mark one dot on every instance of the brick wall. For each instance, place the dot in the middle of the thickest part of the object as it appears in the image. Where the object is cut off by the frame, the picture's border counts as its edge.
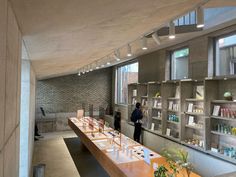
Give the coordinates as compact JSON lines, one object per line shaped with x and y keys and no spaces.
{"x":67,"y":93}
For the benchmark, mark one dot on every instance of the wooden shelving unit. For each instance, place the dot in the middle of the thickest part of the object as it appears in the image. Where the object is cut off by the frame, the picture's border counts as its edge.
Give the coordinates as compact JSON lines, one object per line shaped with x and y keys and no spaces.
{"x":195,"y":127}
{"x":220,"y":135}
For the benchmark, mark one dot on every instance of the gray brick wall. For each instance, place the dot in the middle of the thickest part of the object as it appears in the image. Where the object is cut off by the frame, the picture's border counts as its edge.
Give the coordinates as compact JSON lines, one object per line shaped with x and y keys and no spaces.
{"x":67,"y":93}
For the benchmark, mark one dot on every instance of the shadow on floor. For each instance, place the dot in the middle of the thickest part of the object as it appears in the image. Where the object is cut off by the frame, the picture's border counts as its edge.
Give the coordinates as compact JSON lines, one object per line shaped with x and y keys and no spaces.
{"x":85,"y":162}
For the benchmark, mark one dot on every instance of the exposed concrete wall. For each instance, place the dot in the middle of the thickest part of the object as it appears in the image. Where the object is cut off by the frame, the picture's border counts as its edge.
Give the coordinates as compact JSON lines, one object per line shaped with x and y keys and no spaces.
{"x":10,"y":67}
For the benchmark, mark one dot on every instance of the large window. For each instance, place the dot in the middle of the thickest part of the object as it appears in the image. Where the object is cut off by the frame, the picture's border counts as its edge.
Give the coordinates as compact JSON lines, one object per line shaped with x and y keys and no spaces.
{"x":226,"y":55}
{"x":125,"y":75}
{"x":179,"y":64}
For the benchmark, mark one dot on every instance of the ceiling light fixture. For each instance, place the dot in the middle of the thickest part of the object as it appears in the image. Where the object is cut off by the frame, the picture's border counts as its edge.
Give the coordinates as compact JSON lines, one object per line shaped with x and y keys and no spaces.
{"x":144,"y":43}
{"x":117,"y":54}
{"x":91,"y":67}
{"x":108,"y":63}
{"x":171,"y":30}
{"x":200,"y":17}
{"x":156,"y":38}
{"x":129,"y":52}
{"x":97,"y":67}
{"x":83,"y":71}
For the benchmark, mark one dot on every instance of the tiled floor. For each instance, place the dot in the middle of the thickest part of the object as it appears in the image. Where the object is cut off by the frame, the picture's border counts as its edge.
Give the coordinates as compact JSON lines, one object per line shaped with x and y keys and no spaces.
{"x":52,"y":151}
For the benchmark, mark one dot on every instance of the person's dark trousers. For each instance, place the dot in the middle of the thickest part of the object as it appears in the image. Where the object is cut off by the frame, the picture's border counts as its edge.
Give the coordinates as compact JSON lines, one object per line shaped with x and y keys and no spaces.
{"x":137,"y":131}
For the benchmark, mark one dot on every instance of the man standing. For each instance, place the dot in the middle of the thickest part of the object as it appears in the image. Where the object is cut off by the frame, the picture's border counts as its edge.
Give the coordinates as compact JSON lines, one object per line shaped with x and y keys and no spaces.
{"x":136,"y":117}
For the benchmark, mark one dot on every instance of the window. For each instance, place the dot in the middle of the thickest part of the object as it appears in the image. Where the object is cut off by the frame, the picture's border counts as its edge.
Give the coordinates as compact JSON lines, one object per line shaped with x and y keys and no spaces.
{"x":125,"y":75}
{"x":179,"y":64}
{"x":226,"y":55}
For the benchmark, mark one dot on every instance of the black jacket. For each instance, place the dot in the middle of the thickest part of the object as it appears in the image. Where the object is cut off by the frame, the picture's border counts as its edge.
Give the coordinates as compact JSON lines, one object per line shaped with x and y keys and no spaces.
{"x":137,"y":115}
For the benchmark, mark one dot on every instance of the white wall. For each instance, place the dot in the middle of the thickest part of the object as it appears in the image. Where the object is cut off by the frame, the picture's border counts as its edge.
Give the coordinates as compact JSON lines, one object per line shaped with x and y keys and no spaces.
{"x":27,"y":118}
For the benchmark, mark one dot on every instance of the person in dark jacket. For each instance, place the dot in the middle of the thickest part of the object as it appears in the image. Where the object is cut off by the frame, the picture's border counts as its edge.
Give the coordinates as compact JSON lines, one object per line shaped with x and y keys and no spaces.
{"x":136,"y":117}
{"x":117,"y":120}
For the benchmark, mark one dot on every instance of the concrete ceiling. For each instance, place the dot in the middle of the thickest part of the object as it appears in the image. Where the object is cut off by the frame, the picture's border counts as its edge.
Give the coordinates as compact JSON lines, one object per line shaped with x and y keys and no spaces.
{"x":63,"y":35}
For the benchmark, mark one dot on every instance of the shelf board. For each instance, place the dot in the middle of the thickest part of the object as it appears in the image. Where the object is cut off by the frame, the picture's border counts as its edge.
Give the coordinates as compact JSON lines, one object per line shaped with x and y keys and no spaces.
{"x":223,"y":134}
{"x":222,"y":156}
{"x":156,"y":108}
{"x":156,"y":118}
{"x":172,"y":138}
{"x":223,"y":118}
{"x":194,"y":127}
{"x":173,"y":98}
{"x":195,"y":113}
{"x":134,"y":96}
{"x":145,"y":96}
{"x":169,"y":110}
{"x":158,"y":132}
{"x":157,"y":98}
{"x":223,"y":102}
{"x":194,"y":100}
{"x":172,"y":122}
{"x":193,"y":146}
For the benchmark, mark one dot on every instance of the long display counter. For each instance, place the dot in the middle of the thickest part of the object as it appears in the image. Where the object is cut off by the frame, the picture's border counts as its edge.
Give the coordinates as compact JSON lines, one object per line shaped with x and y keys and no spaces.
{"x":119,"y":155}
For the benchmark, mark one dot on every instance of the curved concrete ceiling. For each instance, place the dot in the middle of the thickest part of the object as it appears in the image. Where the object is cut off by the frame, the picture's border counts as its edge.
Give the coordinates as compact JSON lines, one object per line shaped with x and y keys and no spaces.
{"x":63,"y":35}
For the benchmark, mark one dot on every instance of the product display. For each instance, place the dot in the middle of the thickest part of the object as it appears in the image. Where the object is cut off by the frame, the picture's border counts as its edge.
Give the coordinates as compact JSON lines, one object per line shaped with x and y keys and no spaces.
{"x":200,"y":92}
{"x":173,"y":106}
{"x":226,"y":129}
{"x":190,"y":112}
{"x":173,"y":118}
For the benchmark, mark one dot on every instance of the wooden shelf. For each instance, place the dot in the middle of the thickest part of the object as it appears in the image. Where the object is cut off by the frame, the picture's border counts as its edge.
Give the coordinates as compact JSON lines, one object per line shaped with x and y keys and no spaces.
{"x":156,"y":118}
{"x":157,"y":98}
{"x":223,"y":102}
{"x":193,"y":146}
{"x":223,"y":134}
{"x":172,"y":138}
{"x":223,"y":118}
{"x":194,"y":127}
{"x":172,"y":122}
{"x":194,"y":113}
{"x":173,"y":98}
{"x":156,"y":108}
{"x":169,"y":110}
{"x":158,"y":132}
{"x":194,"y":100}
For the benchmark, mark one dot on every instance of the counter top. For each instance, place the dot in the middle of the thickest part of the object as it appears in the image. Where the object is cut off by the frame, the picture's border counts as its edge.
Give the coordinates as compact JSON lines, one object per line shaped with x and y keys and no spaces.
{"x":119,"y":155}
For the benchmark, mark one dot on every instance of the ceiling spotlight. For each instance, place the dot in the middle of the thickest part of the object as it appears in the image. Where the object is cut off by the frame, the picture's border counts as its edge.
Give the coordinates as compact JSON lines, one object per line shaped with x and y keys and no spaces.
{"x":97,"y":67}
{"x":87,"y":69}
{"x":117,"y":54}
{"x":108,"y":63}
{"x":171,"y":30}
{"x":102,"y":65}
{"x":83,"y":71}
{"x":79,"y":74}
{"x":129,"y":52}
{"x":156,"y":38}
{"x":200,"y":17}
{"x":91,"y":68}
{"x":144,"y":43}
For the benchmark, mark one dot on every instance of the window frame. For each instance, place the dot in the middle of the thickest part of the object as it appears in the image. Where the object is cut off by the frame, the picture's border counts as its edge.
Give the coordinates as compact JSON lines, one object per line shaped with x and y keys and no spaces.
{"x":216,"y":57}
{"x":171,"y":52}
{"x":116,"y":81}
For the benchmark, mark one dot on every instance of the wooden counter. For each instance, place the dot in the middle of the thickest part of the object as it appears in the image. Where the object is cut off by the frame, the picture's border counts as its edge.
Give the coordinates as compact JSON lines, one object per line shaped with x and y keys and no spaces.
{"x":137,"y":168}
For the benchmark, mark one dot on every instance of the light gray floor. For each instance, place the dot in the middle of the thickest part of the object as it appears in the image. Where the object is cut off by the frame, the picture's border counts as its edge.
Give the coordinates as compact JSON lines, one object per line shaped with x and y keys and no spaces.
{"x":52,"y":151}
